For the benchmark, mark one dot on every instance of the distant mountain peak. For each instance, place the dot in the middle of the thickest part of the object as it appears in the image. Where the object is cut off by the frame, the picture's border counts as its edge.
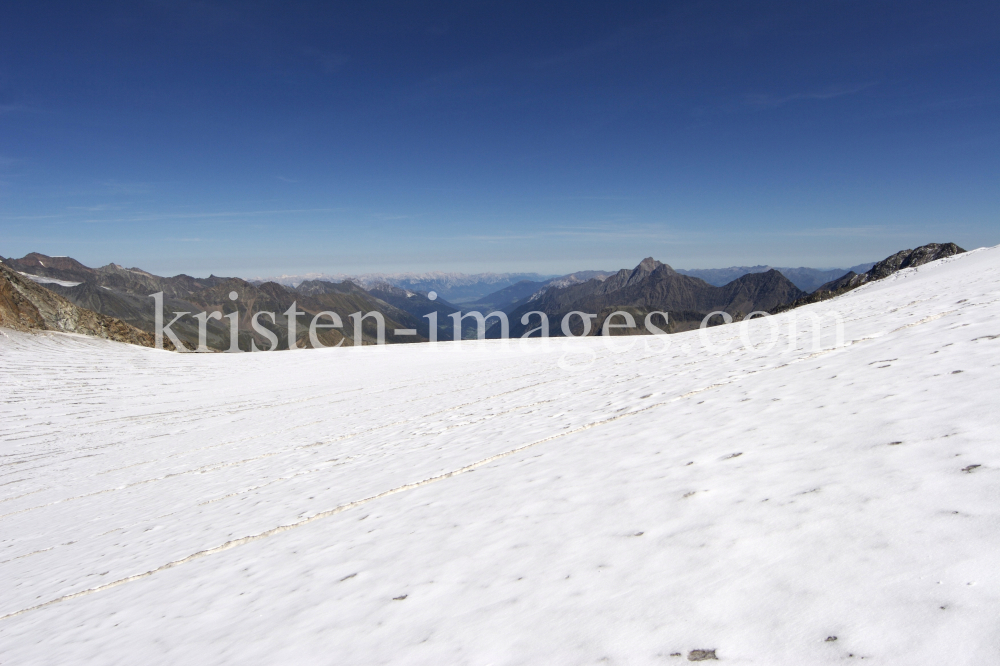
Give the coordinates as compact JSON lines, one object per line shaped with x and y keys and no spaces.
{"x":648,"y":265}
{"x":117,"y":268}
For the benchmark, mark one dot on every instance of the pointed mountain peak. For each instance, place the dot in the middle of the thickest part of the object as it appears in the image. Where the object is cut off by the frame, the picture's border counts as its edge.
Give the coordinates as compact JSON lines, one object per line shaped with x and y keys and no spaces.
{"x":648,"y":265}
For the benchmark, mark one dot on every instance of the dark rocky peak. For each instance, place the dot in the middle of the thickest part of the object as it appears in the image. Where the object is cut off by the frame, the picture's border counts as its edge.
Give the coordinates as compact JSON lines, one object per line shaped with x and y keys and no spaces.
{"x":623,"y":279}
{"x":215,"y":280}
{"x":903,"y":259}
{"x":613,"y":283}
{"x":911,"y":258}
{"x":778,"y":288}
{"x":768,"y":276}
{"x":665,"y":268}
{"x":115,"y":269}
{"x":386,"y":289}
{"x":273,"y":289}
{"x":233,"y":282}
{"x":61,"y":268}
{"x":219,"y":292}
{"x":645,"y":268}
{"x":320,"y":287}
{"x":187,"y":279}
{"x":62,"y":263}
{"x":647,"y":265}
{"x":897,"y":262}
{"x":267,"y":297}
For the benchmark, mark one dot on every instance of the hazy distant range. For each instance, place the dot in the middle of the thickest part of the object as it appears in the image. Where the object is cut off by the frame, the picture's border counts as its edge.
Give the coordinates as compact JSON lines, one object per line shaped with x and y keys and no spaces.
{"x":461,"y":288}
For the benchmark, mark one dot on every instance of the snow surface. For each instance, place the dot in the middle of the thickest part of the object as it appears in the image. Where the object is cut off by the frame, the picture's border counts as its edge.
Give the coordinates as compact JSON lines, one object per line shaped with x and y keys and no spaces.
{"x":41,"y":279}
{"x":480,"y":503}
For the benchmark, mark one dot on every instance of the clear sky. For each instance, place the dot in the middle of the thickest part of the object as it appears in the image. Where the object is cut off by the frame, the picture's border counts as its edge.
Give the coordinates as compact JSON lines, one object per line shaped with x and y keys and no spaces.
{"x":259,"y":138}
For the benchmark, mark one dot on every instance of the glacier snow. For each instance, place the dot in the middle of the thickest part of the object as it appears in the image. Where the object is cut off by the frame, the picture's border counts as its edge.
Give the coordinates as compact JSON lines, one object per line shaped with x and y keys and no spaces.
{"x":491,"y":502}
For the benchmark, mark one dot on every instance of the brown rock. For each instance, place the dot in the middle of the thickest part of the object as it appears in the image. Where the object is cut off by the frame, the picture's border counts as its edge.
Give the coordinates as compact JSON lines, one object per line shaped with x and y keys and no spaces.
{"x":701,"y":655}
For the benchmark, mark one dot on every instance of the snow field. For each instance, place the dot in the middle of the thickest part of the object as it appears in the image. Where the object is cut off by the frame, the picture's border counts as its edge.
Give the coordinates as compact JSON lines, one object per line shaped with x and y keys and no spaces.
{"x":477,"y":503}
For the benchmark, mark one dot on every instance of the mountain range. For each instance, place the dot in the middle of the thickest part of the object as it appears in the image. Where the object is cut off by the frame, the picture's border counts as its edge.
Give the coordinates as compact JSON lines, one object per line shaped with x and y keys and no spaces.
{"x":882,"y":269}
{"x":56,"y":293}
{"x":806,"y":279}
{"x":650,"y":287}
{"x":27,"y":306}
{"x":492,"y":290}
{"x":459,"y":288}
{"x":124,"y":293}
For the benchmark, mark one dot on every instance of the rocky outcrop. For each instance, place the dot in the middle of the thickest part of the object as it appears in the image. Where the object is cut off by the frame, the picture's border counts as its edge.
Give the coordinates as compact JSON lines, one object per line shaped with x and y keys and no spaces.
{"x":883,"y":269}
{"x":17,"y":311}
{"x":27,"y":306}
{"x":897,"y":262}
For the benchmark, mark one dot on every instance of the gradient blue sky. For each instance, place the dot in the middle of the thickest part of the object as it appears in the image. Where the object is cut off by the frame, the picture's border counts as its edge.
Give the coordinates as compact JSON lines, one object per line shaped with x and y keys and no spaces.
{"x":265,"y":138}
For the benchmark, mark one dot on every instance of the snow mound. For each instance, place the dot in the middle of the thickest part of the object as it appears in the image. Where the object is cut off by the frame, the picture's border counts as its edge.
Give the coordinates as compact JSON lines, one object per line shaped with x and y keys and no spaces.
{"x":499,"y":503}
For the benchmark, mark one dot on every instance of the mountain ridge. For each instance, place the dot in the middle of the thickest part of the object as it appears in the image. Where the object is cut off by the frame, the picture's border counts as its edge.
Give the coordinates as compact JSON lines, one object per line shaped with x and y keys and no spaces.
{"x":882,"y":269}
{"x":28,"y":306}
{"x":653,"y":286}
{"x":123,"y":294}
{"x":806,"y":279}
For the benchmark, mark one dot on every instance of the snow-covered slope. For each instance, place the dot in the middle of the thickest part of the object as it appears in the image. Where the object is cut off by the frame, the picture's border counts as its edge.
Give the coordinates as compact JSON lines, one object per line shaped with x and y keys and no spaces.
{"x":481,"y":503}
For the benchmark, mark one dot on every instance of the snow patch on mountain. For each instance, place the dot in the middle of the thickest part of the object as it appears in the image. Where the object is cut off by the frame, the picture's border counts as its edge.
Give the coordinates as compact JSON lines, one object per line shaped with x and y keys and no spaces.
{"x":40,"y":279}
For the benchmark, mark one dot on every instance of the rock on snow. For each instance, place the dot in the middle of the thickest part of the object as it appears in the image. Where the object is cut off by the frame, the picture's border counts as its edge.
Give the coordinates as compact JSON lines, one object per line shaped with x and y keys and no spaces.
{"x":485,"y":503}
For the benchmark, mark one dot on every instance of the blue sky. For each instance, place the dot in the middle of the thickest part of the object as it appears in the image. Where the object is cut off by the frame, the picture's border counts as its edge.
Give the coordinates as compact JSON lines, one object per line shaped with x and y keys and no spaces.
{"x":265,"y":138}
